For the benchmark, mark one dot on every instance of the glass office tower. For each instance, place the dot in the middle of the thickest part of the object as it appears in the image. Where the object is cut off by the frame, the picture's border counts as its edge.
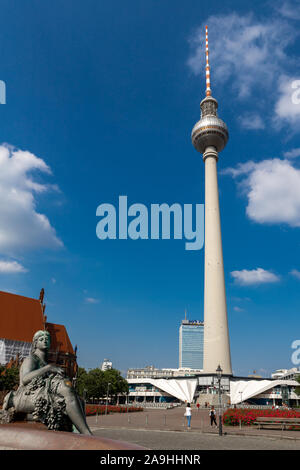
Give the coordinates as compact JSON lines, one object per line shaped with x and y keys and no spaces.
{"x":191,"y":340}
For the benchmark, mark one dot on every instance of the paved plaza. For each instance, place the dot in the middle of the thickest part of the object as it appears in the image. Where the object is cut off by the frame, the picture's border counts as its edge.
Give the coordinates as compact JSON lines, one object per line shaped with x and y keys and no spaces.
{"x":166,"y":429}
{"x":160,"y":429}
{"x":172,"y":440}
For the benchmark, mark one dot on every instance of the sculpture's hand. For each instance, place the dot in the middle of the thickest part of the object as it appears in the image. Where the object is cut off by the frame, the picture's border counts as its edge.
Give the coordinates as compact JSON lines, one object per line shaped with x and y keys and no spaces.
{"x":56,"y":370}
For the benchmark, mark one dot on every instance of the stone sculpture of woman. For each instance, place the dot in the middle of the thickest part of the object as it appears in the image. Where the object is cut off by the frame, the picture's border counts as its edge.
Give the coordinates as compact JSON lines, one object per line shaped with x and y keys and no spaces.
{"x":45,"y":392}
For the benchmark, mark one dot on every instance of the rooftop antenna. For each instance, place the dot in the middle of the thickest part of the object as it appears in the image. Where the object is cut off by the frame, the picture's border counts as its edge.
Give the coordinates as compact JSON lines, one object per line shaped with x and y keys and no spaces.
{"x":207,"y":68}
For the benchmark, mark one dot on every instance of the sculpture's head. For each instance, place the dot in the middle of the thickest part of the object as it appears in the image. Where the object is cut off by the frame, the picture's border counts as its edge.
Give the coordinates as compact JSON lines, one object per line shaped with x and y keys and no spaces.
{"x":41,"y":340}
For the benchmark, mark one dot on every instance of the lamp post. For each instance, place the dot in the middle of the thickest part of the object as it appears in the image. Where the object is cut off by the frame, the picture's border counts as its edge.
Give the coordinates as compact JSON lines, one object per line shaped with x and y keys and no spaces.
{"x":219,"y":376}
{"x":241,"y":393}
{"x":107,"y":397}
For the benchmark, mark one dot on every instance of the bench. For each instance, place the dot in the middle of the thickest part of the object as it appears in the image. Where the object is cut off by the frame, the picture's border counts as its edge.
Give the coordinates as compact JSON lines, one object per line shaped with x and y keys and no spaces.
{"x":283,"y":422}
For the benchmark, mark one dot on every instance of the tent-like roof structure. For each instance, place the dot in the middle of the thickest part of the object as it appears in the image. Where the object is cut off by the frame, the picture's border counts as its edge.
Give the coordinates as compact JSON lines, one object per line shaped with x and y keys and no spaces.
{"x":243,"y":390}
{"x":183,"y":389}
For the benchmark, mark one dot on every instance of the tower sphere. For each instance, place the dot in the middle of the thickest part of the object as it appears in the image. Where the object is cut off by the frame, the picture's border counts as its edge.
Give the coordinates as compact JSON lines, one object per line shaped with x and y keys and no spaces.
{"x":210,"y":130}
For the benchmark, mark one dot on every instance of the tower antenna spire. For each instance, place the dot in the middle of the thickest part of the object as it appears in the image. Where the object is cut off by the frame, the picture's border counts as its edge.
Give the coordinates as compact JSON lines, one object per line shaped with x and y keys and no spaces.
{"x":207,"y":68}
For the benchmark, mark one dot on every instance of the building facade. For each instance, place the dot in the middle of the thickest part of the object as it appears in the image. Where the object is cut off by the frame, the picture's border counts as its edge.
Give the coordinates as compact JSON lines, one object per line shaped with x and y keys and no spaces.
{"x":153,"y":391}
{"x":191,"y":344}
{"x":288,"y":374}
{"x":106,"y":365}
{"x":21,"y":317}
{"x":204,"y":389}
{"x":152,"y":372}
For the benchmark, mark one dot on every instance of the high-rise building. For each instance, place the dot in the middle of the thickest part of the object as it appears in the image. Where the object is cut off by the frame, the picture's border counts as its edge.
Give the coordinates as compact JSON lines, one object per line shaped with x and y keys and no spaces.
{"x":152,"y":372}
{"x":209,"y":137}
{"x":191,"y":340}
{"x":106,"y":364}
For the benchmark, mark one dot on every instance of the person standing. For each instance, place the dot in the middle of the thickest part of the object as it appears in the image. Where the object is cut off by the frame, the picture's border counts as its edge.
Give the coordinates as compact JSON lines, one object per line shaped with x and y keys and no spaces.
{"x":212,"y":415}
{"x":188,"y":414}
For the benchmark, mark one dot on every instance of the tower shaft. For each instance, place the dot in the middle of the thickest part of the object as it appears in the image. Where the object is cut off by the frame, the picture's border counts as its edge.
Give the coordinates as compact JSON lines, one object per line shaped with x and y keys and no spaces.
{"x":216,"y":337}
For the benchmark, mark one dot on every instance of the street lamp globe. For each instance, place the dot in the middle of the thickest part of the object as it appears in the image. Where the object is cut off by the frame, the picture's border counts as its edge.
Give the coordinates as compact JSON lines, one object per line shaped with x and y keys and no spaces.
{"x":219,"y":371}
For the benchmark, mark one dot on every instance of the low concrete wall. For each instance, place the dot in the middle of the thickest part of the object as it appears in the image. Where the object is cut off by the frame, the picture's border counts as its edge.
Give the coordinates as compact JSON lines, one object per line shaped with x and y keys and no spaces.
{"x":27,"y":437}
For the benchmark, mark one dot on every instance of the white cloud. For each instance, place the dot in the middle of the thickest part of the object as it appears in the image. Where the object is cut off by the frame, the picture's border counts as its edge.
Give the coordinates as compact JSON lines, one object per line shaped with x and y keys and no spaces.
{"x":251,"y":56}
{"x":241,"y":299}
{"x":294,"y":153}
{"x":238,"y":309}
{"x":289,"y":10}
{"x":91,"y":300}
{"x":243,"y":50}
{"x":241,"y":169}
{"x":272,"y":188}
{"x":287,"y":106}
{"x":22,"y":226}
{"x":252,"y":121}
{"x":254,"y":276}
{"x":295,"y":273}
{"x":11,"y":267}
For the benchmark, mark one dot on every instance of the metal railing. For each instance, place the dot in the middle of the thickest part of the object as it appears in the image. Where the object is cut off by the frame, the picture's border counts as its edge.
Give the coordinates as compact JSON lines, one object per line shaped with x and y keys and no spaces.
{"x":155,"y":405}
{"x":257,"y":407}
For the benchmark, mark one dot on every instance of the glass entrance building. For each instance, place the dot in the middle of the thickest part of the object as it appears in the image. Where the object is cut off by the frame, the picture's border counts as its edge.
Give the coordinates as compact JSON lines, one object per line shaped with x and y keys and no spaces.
{"x":191,"y":339}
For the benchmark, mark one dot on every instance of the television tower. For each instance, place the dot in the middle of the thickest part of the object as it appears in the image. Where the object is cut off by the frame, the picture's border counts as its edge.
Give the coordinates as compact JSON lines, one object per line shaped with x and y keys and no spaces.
{"x":209,"y":137}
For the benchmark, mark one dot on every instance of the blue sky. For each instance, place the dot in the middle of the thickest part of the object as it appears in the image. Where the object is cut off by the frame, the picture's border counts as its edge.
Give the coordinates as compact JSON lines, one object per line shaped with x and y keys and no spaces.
{"x":101,"y":100}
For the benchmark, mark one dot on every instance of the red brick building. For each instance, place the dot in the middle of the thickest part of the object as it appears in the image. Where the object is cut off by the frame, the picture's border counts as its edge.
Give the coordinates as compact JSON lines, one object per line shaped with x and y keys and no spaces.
{"x":20,"y":318}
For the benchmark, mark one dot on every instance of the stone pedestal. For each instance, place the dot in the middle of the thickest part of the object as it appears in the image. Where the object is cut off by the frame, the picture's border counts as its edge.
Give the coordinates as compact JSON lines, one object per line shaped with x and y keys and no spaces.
{"x":35,"y":436}
{"x":6,"y":416}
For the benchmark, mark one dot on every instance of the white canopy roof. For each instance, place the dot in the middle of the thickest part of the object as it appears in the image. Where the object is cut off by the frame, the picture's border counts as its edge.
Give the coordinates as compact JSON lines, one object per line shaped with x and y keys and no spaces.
{"x":242,"y":390}
{"x":184,"y":389}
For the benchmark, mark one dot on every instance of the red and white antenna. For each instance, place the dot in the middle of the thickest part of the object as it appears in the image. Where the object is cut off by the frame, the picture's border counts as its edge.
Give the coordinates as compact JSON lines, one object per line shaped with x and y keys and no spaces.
{"x":207,"y":68}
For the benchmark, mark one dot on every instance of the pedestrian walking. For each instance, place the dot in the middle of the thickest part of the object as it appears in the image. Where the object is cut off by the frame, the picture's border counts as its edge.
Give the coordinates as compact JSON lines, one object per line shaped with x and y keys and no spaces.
{"x":188,"y":414}
{"x":212,"y":415}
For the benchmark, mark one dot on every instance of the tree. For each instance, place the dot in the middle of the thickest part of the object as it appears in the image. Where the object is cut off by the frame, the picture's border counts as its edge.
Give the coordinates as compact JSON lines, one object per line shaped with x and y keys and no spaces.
{"x":9,"y":378}
{"x":117,"y":383}
{"x":95,"y":383}
{"x":81,"y":380}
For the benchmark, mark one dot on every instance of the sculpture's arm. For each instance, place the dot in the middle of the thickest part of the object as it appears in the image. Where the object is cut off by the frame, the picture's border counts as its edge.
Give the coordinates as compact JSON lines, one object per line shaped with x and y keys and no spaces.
{"x":30,"y":372}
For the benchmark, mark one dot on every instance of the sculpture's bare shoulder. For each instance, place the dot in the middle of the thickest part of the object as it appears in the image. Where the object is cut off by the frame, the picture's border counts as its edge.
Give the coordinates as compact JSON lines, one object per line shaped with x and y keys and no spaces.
{"x":29,"y":364}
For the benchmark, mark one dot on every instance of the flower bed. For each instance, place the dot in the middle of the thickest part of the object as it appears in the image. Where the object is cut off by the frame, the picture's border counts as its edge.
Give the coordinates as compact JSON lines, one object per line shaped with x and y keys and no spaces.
{"x":233,"y":417}
{"x":92,"y":410}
